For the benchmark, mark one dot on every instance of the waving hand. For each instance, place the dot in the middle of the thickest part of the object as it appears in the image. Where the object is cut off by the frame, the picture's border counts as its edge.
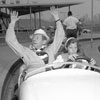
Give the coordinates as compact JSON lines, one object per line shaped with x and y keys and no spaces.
{"x":14,"y":16}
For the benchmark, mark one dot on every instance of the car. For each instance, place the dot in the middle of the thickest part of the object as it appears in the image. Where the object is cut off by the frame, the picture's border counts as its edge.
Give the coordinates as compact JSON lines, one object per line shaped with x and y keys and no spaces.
{"x":61,"y":81}
{"x":86,"y":31}
{"x":65,"y":83}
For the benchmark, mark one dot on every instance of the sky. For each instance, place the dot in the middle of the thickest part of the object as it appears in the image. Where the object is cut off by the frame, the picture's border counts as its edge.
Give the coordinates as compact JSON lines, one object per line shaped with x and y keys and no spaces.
{"x":85,"y":8}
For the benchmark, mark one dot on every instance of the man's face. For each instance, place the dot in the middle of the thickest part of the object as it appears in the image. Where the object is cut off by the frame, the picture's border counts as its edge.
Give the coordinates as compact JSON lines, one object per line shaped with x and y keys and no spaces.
{"x":37,"y":41}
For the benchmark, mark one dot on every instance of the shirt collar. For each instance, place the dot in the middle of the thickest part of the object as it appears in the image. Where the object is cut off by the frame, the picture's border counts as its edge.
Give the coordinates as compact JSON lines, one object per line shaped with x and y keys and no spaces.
{"x":35,"y":49}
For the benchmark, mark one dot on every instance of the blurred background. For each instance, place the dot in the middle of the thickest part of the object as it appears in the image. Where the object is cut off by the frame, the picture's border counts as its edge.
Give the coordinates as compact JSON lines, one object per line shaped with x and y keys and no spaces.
{"x":88,"y":12}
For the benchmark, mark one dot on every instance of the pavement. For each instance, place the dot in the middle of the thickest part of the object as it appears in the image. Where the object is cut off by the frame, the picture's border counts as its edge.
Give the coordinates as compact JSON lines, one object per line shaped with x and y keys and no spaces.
{"x":8,"y":57}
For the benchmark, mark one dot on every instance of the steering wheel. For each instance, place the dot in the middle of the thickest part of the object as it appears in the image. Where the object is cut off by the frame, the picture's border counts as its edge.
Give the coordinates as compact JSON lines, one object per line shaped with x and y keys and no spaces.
{"x":81,"y":59}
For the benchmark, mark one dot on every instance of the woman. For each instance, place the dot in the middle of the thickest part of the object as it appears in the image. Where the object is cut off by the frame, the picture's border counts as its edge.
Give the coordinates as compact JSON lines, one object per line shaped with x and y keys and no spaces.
{"x":74,"y":51}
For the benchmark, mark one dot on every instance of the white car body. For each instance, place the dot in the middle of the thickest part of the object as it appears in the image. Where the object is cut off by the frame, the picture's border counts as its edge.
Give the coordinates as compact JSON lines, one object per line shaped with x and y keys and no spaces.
{"x":62,"y":84}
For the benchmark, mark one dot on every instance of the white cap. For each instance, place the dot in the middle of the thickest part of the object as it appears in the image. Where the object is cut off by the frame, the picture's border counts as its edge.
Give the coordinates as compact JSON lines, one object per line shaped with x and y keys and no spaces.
{"x":40,"y":31}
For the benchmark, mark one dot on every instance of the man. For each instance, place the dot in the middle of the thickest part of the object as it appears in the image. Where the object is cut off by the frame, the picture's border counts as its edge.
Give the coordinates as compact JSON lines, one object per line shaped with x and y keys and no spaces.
{"x":39,"y":43}
{"x":70,"y":25}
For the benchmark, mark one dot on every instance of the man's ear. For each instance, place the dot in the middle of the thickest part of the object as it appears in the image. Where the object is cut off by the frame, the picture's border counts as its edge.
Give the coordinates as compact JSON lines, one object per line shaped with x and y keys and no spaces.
{"x":44,"y":42}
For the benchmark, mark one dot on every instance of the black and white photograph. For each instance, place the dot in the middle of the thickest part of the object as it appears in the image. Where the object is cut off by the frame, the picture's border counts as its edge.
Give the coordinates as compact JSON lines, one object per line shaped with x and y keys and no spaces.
{"x":49,"y":49}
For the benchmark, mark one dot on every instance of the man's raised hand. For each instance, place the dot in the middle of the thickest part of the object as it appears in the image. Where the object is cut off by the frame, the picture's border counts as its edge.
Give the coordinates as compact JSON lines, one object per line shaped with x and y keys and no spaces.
{"x":14,"y":16}
{"x":54,"y":12}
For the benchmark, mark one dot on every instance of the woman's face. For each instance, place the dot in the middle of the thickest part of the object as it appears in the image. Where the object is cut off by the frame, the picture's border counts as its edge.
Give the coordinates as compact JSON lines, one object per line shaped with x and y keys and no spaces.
{"x":72,"y":48}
